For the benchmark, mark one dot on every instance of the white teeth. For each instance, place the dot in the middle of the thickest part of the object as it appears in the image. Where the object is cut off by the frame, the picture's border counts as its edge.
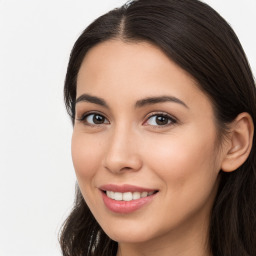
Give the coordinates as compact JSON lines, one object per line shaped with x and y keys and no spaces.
{"x":118,"y":196}
{"x":144,"y":194}
{"x":111,"y":194}
{"x":127,"y":196}
{"x":135,"y":195}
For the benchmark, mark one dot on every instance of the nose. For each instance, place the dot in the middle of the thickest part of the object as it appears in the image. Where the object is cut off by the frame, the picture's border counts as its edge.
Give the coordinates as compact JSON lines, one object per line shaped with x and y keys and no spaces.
{"x":122,"y":152}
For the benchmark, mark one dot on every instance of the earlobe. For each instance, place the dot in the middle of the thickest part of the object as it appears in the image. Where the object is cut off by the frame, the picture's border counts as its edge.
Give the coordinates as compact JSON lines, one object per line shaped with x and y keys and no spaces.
{"x":240,"y":143}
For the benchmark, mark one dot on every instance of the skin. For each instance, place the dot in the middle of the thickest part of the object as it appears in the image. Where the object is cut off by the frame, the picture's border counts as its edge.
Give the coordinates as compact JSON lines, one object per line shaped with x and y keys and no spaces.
{"x":181,"y":159}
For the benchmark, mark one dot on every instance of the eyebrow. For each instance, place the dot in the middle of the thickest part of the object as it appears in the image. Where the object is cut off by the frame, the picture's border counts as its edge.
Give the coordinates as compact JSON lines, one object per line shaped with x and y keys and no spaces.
{"x":159,"y":99}
{"x":92,"y":99}
{"x":138,"y":104}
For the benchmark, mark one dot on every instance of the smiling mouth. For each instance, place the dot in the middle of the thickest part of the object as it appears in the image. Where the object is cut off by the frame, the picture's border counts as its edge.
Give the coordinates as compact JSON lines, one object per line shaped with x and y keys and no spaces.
{"x":128,"y":196}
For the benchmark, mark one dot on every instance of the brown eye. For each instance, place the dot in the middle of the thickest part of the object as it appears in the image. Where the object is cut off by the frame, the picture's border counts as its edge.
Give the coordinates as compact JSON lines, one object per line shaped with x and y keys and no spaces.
{"x":98,"y":119}
{"x":160,"y":120}
{"x":94,"y":119}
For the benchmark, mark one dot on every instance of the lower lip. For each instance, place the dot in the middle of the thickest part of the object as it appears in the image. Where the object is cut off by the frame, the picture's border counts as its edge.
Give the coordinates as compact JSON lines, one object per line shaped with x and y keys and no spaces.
{"x":126,"y":206}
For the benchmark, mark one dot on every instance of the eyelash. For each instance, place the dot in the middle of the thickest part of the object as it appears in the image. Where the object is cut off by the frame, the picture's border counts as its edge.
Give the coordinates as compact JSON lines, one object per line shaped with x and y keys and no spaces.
{"x":84,"y":116}
{"x":171,"y":120}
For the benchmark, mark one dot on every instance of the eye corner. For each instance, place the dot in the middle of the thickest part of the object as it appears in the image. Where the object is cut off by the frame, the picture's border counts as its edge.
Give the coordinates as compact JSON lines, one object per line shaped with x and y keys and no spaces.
{"x":165,"y":120}
{"x":93,"y":119}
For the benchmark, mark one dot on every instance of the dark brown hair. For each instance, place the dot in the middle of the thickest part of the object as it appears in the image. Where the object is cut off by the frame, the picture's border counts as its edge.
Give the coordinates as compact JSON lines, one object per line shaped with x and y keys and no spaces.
{"x":201,"y":42}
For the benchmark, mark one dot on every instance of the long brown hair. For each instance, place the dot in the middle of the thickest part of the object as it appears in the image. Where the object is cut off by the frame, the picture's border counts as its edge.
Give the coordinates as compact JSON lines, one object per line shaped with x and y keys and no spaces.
{"x":201,"y":42}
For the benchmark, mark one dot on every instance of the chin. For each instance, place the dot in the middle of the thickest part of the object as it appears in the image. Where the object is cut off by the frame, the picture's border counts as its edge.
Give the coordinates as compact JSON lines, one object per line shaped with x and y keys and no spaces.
{"x":128,"y":237}
{"x":130,"y":231}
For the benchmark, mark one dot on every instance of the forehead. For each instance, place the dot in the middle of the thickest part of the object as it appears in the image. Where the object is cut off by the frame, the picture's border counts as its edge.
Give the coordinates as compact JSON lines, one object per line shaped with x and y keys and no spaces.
{"x":116,"y":54}
{"x":135,"y":70}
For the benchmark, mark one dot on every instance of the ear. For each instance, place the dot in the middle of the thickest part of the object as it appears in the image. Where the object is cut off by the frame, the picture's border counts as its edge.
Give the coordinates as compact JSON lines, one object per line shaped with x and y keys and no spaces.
{"x":239,"y":143}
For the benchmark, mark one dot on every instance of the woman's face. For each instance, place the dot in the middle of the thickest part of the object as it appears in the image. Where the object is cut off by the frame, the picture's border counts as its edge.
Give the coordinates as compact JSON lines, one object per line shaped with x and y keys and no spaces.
{"x":142,"y":126}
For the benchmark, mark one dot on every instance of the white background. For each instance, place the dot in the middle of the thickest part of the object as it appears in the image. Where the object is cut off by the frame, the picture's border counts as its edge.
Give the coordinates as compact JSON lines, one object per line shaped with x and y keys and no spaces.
{"x":36,"y":174}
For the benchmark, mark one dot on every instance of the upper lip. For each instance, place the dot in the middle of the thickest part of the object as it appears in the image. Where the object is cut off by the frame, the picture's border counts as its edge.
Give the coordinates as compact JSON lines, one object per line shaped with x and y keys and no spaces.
{"x":125,"y":188}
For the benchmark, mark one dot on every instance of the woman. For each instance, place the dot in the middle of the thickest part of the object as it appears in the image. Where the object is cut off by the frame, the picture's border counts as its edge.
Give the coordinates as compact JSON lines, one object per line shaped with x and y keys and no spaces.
{"x":162,"y":101}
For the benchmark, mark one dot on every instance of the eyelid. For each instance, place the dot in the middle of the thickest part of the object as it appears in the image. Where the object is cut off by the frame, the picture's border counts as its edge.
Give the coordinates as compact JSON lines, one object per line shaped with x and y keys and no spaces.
{"x":173,"y":119}
{"x":86,"y":114}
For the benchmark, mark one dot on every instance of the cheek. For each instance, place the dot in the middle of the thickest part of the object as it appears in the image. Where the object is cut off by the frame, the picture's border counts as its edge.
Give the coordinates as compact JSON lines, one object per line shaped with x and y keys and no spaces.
{"x":189,"y":178}
{"x":85,"y":156}
{"x":185,"y":164}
